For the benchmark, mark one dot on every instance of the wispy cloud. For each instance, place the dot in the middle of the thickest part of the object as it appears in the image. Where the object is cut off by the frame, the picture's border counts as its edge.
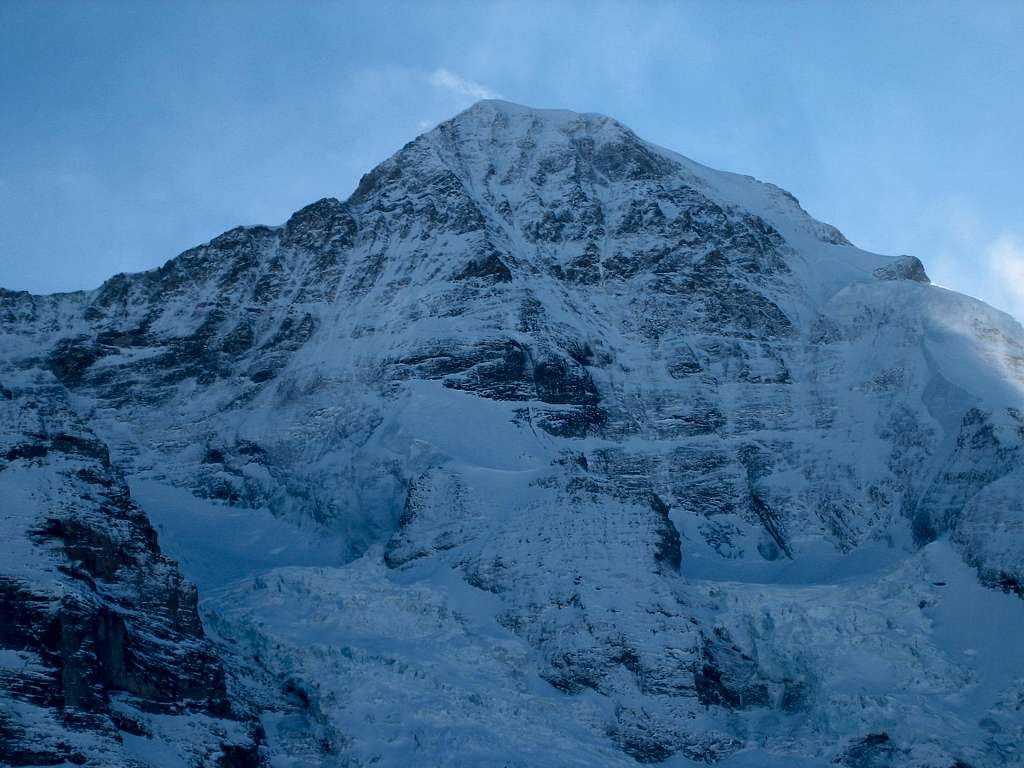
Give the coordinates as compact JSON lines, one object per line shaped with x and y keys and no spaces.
{"x":445,"y":79}
{"x":962,"y":253}
{"x":1006,"y":262}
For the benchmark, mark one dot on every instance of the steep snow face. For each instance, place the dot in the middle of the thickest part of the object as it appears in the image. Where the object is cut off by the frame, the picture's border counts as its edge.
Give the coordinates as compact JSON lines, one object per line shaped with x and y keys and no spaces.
{"x":656,"y":450}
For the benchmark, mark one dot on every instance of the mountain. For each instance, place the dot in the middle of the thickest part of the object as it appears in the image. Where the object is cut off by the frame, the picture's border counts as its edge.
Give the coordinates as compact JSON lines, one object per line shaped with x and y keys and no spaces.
{"x":546,"y":447}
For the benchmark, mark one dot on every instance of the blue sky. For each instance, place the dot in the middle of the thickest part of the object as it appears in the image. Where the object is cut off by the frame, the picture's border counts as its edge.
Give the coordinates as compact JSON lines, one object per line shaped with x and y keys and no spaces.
{"x":133,"y":130}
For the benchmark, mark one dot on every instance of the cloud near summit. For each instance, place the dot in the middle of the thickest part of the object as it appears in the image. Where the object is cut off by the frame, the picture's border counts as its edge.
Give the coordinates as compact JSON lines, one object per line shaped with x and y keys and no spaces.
{"x":445,"y":79}
{"x":1006,"y":264}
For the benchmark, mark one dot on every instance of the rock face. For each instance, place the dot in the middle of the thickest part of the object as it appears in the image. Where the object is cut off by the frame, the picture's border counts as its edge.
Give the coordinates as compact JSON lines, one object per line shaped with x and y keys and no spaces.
{"x":903,"y":268}
{"x":617,"y":458}
{"x":100,"y":636}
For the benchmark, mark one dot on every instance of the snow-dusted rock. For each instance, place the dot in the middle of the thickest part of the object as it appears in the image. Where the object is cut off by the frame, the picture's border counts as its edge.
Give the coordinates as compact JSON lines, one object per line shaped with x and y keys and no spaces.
{"x":104,"y":659}
{"x":903,"y":268}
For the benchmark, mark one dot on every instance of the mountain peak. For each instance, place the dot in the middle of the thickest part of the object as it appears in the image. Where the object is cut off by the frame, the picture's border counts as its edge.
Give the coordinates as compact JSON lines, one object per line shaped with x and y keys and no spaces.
{"x":495,"y":136}
{"x":512,"y":118}
{"x":485,"y":108}
{"x":529,"y":376}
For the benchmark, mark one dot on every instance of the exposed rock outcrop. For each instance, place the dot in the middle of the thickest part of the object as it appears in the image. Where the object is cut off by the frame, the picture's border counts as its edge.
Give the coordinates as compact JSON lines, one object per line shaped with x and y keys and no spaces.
{"x":99,"y":632}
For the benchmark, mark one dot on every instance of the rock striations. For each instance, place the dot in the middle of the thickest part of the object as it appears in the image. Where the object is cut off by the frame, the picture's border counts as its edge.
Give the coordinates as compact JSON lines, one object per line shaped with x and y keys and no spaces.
{"x":546,"y":447}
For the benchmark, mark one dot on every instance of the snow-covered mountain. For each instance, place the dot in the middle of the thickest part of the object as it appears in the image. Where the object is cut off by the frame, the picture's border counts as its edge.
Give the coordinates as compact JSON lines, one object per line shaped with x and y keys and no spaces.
{"x":546,"y":447}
